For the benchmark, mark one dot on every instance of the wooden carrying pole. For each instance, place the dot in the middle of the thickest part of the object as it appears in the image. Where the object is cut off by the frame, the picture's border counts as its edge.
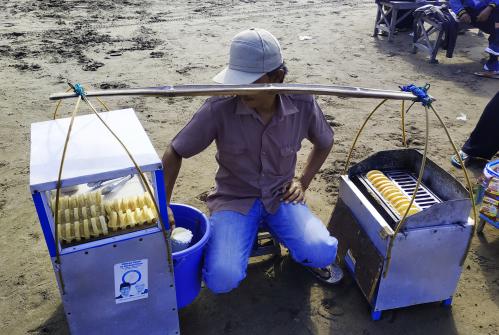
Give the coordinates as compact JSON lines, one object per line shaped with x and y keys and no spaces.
{"x":212,"y":90}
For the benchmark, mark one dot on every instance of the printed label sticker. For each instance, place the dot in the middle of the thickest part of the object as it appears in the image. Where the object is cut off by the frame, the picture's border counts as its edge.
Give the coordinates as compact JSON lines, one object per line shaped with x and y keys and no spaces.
{"x":131,"y":281}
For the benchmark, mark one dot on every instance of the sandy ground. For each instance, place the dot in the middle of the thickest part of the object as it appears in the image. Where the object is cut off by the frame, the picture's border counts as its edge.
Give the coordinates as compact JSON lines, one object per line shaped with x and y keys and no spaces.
{"x":130,"y":43}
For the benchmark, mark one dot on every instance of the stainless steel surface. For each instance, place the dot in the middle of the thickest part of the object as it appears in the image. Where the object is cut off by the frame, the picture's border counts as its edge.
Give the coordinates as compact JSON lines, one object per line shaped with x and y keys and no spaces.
{"x":213,"y":90}
{"x":445,"y":200}
{"x":112,"y":237}
{"x":96,"y":184}
{"x":101,"y":183}
{"x":439,"y":181}
{"x":407,"y":183}
{"x":89,"y":302}
{"x":424,"y":266}
{"x":366,"y":215}
{"x":108,"y":188}
{"x":93,"y":154}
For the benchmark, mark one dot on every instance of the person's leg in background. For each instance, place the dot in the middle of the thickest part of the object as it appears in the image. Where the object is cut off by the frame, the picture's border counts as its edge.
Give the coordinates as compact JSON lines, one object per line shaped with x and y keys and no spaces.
{"x":232,"y":237}
{"x":305,"y":236}
{"x":493,"y":21}
{"x":491,"y":27}
{"x":484,"y":139}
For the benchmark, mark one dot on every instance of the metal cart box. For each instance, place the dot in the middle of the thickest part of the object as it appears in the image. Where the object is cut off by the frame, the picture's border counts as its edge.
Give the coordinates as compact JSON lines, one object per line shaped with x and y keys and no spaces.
{"x":427,"y":254}
{"x":93,"y":273}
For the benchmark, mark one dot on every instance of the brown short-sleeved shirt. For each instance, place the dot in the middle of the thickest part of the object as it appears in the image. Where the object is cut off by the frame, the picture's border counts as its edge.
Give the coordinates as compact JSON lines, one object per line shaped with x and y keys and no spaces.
{"x":255,"y":160}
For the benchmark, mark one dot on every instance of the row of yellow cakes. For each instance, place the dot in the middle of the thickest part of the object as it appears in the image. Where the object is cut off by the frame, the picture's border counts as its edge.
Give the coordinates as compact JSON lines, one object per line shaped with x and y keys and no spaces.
{"x":84,"y":229}
{"x":391,"y":192}
{"x":78,"y":200}
{"x":77,"y":221}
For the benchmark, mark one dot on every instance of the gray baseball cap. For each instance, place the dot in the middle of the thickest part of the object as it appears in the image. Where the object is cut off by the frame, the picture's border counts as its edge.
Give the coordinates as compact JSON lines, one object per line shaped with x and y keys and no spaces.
{"x":253,"y":53}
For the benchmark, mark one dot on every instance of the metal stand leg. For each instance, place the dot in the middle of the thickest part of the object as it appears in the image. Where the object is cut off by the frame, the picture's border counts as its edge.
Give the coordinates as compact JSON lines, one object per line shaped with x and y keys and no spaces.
{"x":447,"y":302}
{"x":393,"y":23}
{"x":480,"y":226}
{"x":438,"y":42}
{"x":376,"y":315}
{"x":416,"y":35}
{"x":376,"y":22}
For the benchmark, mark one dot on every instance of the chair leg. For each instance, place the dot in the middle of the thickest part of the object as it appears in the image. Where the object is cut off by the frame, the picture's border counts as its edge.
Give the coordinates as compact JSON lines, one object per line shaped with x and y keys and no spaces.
{"x":393,"y":23}
{"x":376,"y":22}
{"x":416,"y":35}
{"x":438,"y":42}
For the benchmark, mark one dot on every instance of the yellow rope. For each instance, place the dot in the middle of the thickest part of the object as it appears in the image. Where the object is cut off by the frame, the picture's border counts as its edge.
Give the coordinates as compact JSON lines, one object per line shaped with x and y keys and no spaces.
{"x":103,"y":104}
{"x":358,"y":135}
{"x":416,"y":189}
{"x":421,"y":171}
{"x":402,"y":114}
{"x":54,"y":116}
{"x":470,"y":187}
{"x":166,"y":232}
{"x":58,"y":105}
{"x":57,"y":195}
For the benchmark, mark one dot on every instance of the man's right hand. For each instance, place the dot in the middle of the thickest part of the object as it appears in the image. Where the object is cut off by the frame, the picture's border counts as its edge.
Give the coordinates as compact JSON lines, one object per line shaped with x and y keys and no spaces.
{"x":466,"y":18}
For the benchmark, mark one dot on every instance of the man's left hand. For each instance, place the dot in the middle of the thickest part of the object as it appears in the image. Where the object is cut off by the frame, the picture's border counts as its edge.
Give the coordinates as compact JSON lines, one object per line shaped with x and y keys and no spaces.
{"x":295,"y":192}
{"x":484,"y":14}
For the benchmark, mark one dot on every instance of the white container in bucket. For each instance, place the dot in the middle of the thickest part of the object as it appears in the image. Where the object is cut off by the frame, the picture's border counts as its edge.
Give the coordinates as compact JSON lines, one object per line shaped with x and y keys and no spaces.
{"x":181,"y":239}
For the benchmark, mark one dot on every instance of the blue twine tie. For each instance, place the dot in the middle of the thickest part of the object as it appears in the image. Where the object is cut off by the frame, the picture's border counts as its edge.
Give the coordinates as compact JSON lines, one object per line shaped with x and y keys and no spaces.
{"x":420,"y":92}
{"x":79,"y":90}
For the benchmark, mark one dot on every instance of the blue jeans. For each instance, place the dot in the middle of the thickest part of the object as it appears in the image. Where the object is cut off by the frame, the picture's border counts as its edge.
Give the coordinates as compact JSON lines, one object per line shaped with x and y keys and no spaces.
{"x":233,"y":235}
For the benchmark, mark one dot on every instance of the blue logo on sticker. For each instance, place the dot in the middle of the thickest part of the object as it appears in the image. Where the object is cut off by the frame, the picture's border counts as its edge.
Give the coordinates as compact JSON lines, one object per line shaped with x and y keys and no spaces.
{"x":128,"y":277}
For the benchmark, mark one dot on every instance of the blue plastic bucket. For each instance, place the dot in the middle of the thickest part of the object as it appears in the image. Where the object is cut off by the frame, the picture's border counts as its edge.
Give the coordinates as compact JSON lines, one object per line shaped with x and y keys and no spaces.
{"x":489,"y":170}
{"x":187,"y":263}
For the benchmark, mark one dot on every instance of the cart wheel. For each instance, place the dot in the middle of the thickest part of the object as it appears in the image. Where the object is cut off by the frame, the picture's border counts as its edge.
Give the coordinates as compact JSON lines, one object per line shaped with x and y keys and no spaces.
{"x":376,"y":315}
{"x":447,"y":302}
{"x":480,"y":226}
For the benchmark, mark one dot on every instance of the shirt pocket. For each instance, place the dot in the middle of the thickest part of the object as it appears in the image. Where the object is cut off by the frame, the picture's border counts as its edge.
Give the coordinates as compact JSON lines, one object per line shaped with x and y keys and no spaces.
{"x":232,"y":149}
{"x":287,"y":159}
{"x":234,"y":158}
